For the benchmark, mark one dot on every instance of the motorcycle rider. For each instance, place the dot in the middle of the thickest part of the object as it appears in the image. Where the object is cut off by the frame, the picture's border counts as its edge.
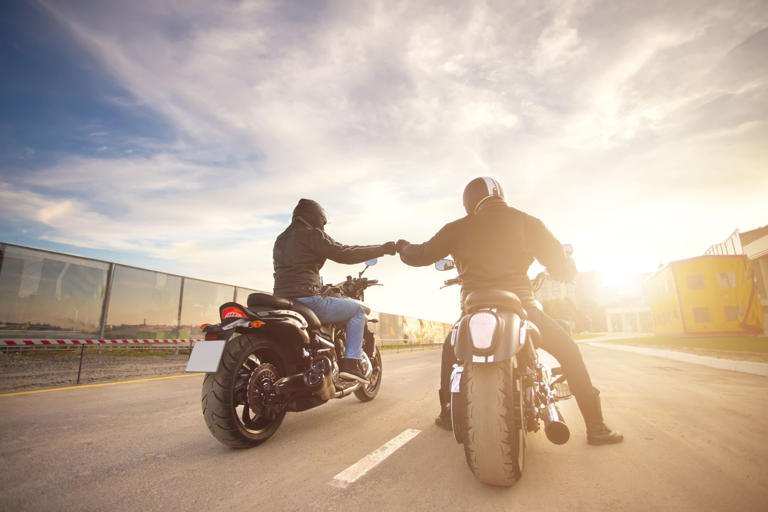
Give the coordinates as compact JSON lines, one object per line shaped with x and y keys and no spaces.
{"x":298,"y":255}
{"x":493,"y":246}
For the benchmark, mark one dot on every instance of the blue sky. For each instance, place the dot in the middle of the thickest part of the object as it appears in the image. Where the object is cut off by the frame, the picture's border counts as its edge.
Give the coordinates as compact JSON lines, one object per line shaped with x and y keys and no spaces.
{"x":179,"y":135}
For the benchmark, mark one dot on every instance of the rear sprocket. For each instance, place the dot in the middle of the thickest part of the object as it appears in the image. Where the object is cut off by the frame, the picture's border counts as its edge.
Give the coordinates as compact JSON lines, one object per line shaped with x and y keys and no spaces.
{"x":260,"y":386}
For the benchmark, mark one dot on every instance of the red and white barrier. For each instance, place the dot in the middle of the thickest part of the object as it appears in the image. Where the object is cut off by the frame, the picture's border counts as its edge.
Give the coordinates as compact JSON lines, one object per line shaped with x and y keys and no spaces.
{"x":21,"y":343}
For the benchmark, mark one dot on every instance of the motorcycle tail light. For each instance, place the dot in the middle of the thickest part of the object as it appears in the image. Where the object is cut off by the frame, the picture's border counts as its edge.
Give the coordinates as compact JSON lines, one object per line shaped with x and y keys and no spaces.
{"x":211,"y":336}
{"x":232,"y":312}
{"x":482,"y":326}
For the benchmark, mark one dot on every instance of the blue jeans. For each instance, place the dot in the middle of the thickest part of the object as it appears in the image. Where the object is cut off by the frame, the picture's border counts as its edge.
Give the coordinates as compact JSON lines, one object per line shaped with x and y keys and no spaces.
{"x":333,"y":310}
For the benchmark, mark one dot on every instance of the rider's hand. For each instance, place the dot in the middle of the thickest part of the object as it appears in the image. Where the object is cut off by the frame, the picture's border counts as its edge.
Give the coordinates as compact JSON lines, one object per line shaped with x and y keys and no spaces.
{"x":389,"y":248}
{"x":402,"y":243}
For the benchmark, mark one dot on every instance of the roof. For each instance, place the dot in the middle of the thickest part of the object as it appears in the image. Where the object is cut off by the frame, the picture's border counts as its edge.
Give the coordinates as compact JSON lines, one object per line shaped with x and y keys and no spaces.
{"x":750,"y":236}
{"x":673,"y":264}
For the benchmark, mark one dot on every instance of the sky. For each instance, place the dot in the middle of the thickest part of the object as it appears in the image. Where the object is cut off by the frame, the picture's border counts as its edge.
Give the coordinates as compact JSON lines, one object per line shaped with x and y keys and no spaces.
{"x":179,"y":135}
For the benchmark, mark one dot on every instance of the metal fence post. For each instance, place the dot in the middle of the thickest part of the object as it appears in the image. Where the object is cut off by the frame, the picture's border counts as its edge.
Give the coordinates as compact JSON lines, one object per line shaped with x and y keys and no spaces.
{"x":105,"y":303}
{"x":80,"y":367}
{"x":181,"y":301}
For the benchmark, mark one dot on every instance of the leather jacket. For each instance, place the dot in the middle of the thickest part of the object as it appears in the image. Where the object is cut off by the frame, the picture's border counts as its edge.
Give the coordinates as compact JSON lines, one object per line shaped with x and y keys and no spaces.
{"x":301,"y":251}
{"x":493,"y":249}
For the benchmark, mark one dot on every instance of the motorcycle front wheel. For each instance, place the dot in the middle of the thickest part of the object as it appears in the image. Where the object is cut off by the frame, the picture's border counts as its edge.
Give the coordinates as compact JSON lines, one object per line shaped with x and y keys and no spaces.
{"x":368,"y":392}
{"x":230,"y":397}
{"x":494,"y":440}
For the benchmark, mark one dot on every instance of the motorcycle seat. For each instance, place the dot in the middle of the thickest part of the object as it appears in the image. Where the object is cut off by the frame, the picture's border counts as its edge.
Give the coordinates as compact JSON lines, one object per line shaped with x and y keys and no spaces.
{"x":501,"y":299}
{"x":308,"y":314}
{"x":267,"y":300}
{"x":270,"y":301}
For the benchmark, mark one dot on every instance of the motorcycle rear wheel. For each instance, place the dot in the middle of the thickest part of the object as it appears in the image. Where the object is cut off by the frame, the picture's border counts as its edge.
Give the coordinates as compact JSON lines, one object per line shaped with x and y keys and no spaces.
{"x":494,"y":441}
{"x":227,"y":413}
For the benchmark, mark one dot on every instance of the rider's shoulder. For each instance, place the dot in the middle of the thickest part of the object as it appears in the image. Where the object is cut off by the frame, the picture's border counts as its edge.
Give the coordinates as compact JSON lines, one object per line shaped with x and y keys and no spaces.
{"x":456,"y":224}
{"x":523,"y":215}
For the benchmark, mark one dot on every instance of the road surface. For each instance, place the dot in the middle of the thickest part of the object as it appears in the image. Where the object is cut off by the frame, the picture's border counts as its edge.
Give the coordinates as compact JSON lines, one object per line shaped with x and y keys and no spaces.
{"x":695,"y":440}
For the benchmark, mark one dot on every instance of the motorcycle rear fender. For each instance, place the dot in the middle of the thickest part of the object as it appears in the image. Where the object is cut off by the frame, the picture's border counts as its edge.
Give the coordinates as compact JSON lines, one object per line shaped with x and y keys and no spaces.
{"x":505,"y":344}
{"x":287,"y":330}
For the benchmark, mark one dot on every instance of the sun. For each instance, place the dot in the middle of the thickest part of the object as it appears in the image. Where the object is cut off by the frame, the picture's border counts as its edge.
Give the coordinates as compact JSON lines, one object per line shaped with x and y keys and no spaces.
{"x":616,"y":277}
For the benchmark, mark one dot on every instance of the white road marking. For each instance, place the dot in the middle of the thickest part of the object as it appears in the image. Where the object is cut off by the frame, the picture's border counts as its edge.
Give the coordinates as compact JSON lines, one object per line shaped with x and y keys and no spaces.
{"x":373,"y":459}
{"x":713,"y":362}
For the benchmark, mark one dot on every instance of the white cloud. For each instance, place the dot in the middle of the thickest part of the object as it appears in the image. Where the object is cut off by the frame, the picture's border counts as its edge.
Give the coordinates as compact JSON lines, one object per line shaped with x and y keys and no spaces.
{"x":642,"y":120}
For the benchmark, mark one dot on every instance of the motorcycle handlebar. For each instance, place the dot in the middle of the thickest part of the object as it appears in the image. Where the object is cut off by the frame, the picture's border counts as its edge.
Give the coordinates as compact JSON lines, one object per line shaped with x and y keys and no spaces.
{"x":539,"y":280}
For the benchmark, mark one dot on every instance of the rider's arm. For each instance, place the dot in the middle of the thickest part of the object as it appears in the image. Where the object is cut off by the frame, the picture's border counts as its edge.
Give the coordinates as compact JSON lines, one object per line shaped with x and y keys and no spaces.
{"x":326,"y":247}
{"x":549,"y":251}
{"x":436,"y":248}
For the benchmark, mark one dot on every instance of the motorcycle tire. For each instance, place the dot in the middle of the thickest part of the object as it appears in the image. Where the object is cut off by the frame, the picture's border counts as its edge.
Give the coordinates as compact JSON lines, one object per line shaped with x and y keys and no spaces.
{"x":368,"y":392}
{"x":225,"y":409}
{"x":494,"y":439}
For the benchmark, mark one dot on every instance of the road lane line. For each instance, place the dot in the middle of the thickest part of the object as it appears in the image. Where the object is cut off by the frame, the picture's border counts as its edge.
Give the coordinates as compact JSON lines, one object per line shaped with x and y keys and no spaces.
{"x":102,"y":384}
{"x":373,"y":459}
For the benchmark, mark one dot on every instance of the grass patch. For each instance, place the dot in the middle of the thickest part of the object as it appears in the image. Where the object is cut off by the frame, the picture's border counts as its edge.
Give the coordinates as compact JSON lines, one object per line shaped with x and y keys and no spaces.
{"x":46,"y":353}
{"x":587,"y":335}
{"x":407,"y":346}
{"x":730,"y":343}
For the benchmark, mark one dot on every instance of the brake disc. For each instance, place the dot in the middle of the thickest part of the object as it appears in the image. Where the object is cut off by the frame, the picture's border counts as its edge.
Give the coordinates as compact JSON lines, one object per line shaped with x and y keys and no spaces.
{"x":260,"y":386}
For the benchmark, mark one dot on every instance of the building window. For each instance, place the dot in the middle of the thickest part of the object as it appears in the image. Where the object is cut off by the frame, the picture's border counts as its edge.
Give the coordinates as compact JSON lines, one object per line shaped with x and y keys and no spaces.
{"x":731,"y":313}
{"x":696,"y":282}
{"x":727,"y":279}
{"x":702,"y":315}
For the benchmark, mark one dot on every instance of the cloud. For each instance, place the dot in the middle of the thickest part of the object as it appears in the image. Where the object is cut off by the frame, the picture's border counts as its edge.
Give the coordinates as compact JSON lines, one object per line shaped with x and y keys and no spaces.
{"x":645,"y":121}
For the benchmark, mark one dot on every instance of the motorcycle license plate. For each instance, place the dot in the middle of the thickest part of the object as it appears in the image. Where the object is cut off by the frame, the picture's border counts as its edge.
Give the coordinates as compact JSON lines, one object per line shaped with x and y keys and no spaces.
{"x":205,"y":356}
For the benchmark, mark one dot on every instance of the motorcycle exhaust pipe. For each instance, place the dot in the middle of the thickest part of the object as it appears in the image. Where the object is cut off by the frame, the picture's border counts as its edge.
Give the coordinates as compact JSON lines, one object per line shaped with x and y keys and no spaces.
{"x":554,"y":425}
{"x":346,"y":391}
{"x":316,"y":381}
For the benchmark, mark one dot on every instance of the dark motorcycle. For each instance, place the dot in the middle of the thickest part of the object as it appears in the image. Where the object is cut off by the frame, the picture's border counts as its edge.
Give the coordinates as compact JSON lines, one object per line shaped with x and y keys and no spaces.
{"x":501,"y":390}
{"x":275,"y":356}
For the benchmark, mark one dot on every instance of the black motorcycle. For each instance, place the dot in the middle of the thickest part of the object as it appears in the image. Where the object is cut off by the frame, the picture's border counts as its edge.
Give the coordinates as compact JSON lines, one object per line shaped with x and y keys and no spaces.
{"x":501,"y":390}
{"x":275,"y":356}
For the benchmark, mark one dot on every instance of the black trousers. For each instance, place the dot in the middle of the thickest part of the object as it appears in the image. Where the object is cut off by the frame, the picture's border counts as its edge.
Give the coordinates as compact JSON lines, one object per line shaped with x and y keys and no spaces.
{"x":555,"y":341}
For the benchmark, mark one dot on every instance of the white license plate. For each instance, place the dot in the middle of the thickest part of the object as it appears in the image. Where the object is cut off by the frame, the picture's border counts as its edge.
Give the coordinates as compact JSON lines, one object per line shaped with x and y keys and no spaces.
{"x":205,"y":356}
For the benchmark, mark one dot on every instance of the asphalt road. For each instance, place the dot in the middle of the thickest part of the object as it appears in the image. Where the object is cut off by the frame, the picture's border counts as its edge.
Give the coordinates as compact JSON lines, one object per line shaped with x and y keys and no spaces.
{"x":695,"y":440}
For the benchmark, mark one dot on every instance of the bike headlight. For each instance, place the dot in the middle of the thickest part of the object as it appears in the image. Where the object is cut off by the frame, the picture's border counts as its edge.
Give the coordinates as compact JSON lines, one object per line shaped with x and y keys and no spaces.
{"x":482,"y":325}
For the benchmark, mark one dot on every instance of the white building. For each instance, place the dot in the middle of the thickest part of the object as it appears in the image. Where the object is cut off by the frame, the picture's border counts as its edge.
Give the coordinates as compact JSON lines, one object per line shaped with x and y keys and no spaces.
{"x":556,"y":290}
{"x":753,"y":244}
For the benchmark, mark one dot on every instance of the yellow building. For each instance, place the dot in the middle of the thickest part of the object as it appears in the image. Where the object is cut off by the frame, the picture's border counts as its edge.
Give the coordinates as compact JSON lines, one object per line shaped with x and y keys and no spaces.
{"x":705,"y":295}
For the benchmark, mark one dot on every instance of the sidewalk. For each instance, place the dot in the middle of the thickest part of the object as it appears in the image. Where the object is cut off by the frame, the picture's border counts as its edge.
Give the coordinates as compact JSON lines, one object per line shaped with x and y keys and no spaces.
{"x":713,"y":362}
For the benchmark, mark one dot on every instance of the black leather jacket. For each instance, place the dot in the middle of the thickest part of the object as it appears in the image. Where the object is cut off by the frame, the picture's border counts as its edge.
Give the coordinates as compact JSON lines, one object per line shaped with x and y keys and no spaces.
{"x":493,"y":249}
{"x":300,"y":252}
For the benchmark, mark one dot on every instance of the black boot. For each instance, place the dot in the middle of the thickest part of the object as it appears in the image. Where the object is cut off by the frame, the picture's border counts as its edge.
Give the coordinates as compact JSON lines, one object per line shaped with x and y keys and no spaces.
{"x":443,"y":420}
{"x":597,"y":431}
{"x":350,"y":369}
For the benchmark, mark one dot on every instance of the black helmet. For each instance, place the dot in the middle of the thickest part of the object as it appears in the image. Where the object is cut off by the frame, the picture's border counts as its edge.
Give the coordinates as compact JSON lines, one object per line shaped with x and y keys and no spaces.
{"x":478,"y":190}
{"x":311,"y":212}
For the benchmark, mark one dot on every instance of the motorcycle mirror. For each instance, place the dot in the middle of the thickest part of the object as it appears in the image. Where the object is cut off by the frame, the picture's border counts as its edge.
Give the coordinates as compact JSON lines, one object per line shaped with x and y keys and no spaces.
{"x":368,"y":263}
{"x":445,"y":264}
{"x":568,"y":248}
